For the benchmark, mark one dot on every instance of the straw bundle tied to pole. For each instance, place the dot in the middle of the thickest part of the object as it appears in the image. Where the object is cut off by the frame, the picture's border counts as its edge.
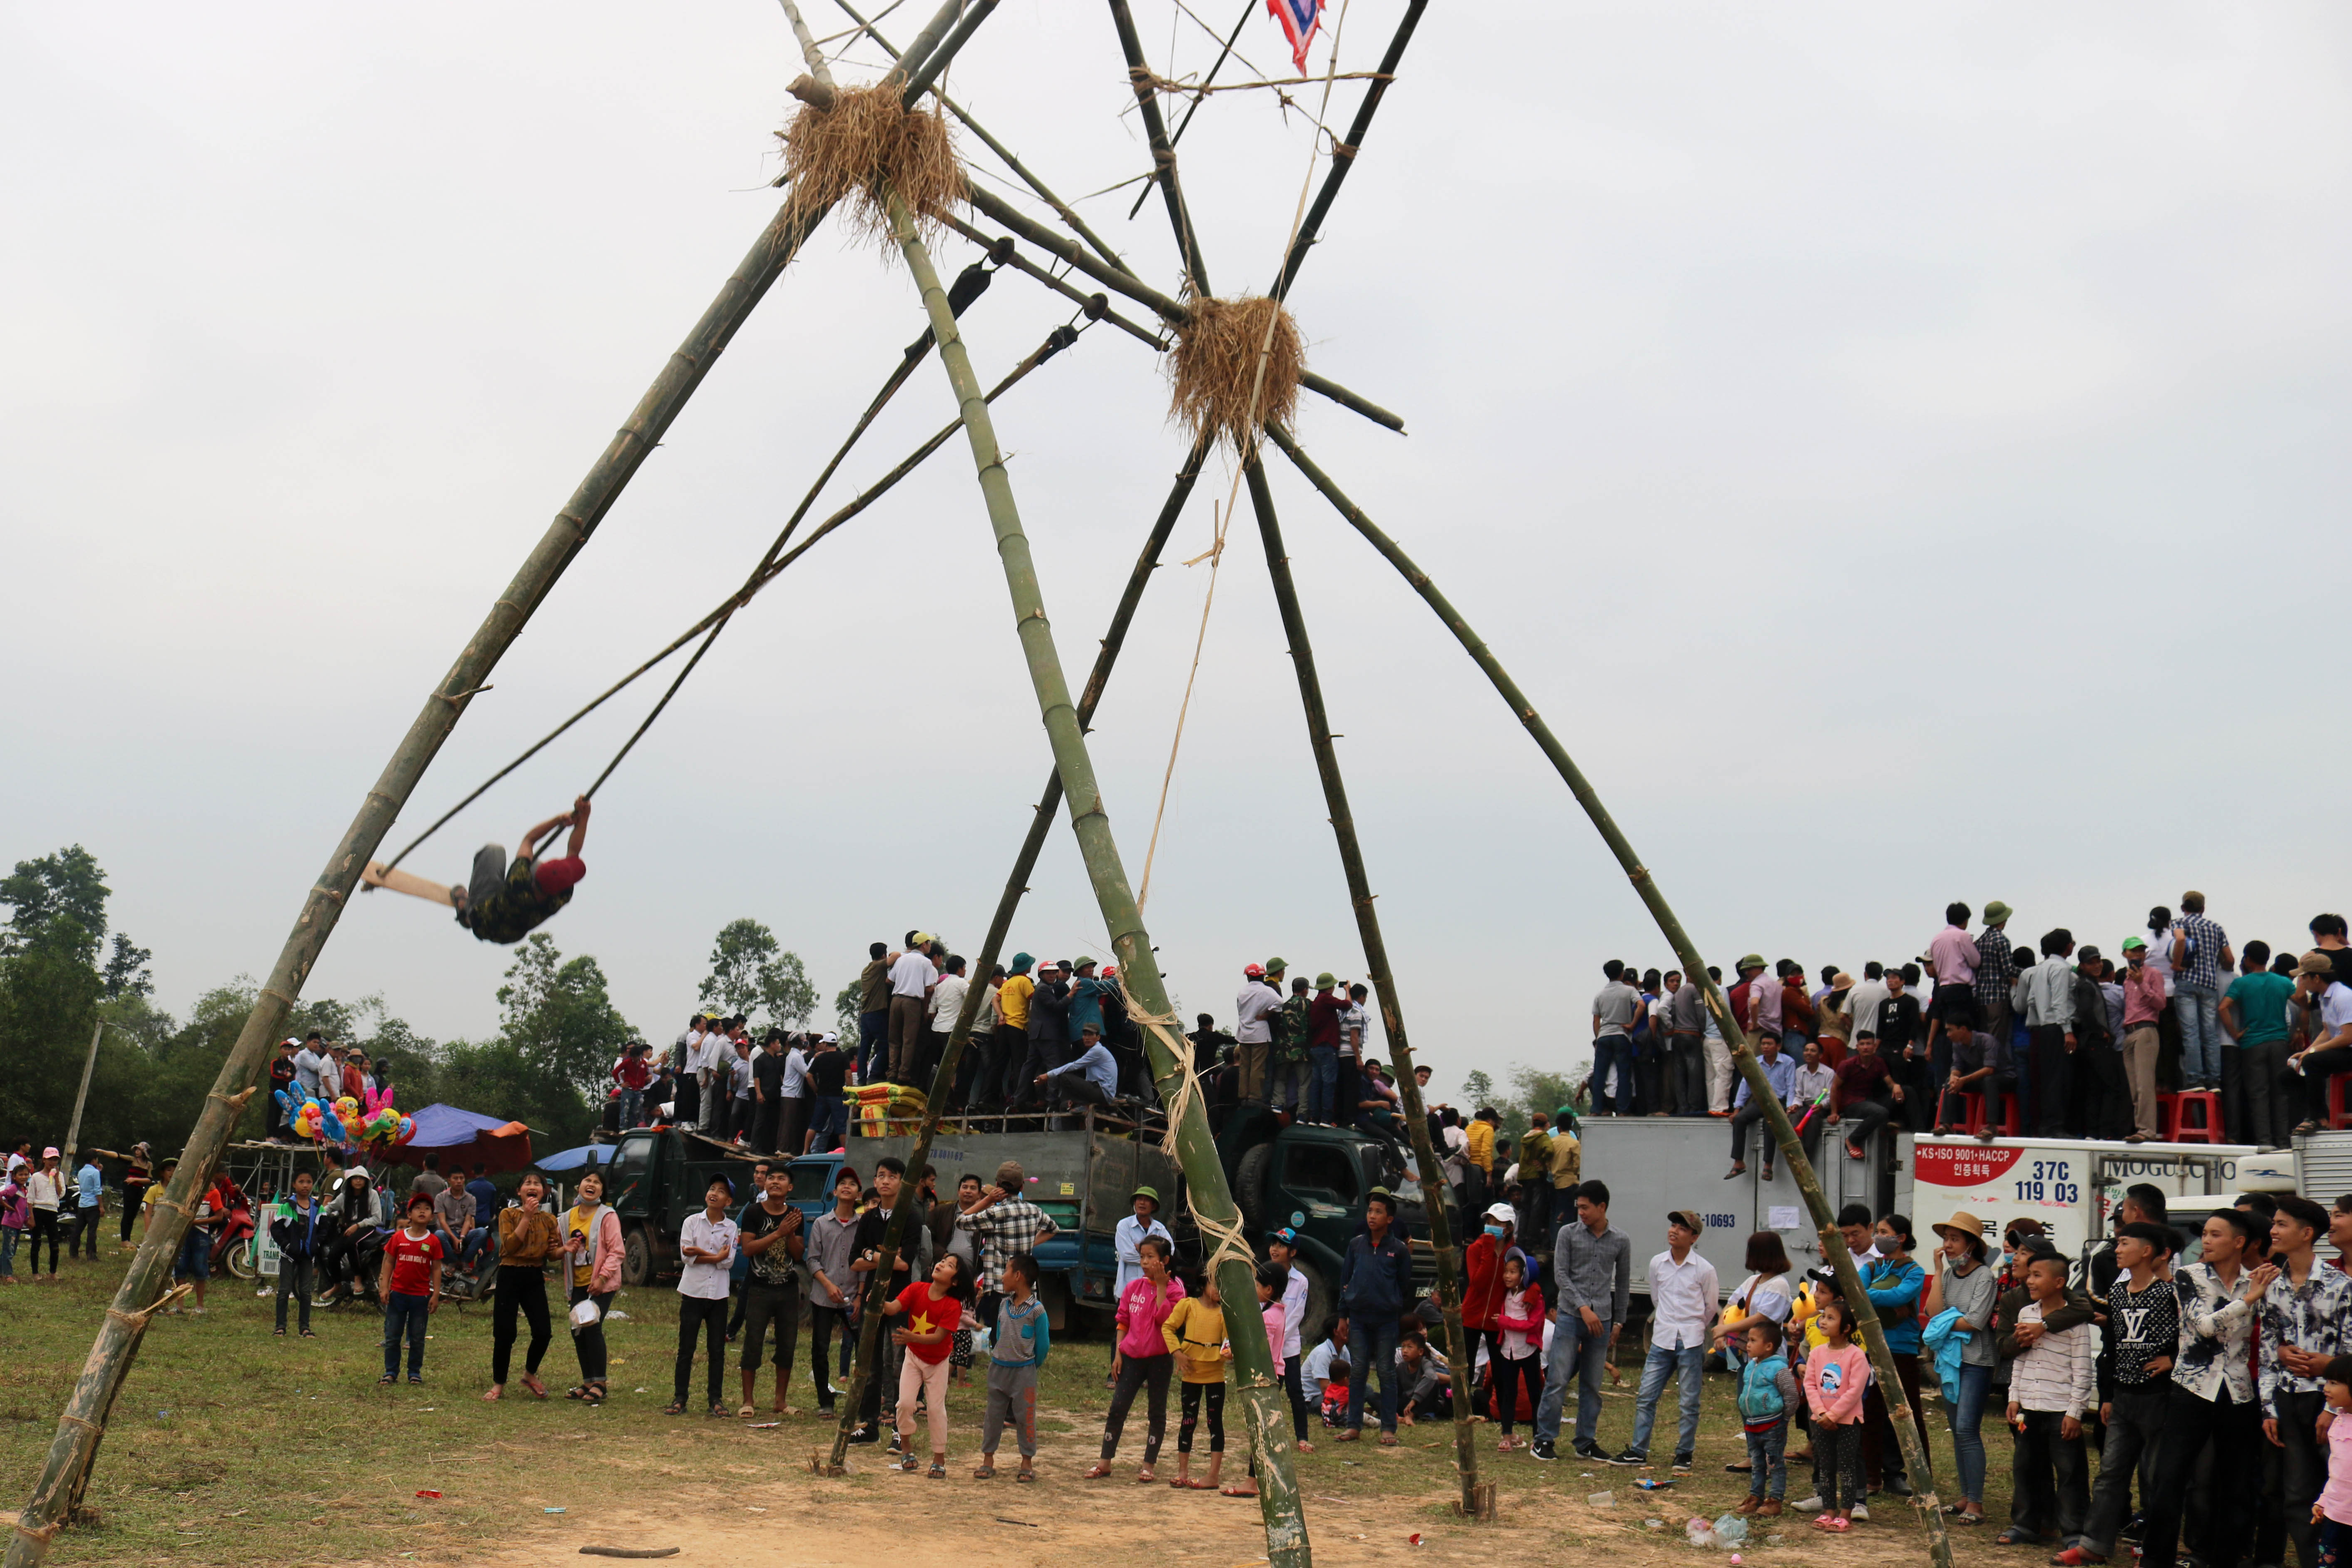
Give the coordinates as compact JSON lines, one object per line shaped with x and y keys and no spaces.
{"x":1214,"y":368}
{"x":850,"y":144}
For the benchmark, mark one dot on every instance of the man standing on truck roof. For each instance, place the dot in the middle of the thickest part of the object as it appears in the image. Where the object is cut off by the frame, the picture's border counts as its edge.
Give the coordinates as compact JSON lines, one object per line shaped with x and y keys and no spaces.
{"x":912,"y":979}
{"x":1005,"y":1223}
{"x":874,"y":1008}
{"x":1613,"y":1042}
{"x":1127,"y":1238}
{"x":1008,"y":1043}
{"x":1252,"y":1037}
{"x":1592,"y":1274}
{"x":1323,"y":1015}
{"x":1996,"y":971}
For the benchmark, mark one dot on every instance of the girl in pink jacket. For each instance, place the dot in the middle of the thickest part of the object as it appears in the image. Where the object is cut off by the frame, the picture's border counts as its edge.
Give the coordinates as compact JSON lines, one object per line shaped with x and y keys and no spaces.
{"x":1836,"y":1374}
{"x":1141,"y":1358}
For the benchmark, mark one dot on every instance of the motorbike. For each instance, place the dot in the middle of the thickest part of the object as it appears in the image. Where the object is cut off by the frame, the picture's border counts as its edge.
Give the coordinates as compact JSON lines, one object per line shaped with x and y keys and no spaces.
{"x":233,"y":1246}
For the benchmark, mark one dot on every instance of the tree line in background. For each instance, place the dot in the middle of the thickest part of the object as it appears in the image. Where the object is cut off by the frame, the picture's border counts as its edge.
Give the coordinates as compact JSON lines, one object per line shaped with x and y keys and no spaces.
{"x":547,"y":1066}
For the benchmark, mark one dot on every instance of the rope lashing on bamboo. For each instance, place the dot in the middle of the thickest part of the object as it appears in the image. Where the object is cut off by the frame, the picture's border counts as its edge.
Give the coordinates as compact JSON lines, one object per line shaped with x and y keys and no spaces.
{"x":1210,"y":395}
{"x":858,"y":143}
{"x":1231,"y":1243}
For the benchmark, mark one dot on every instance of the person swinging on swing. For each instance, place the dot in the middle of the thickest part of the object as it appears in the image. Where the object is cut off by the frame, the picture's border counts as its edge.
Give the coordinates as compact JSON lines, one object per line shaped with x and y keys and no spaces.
{"x":503,"y":902}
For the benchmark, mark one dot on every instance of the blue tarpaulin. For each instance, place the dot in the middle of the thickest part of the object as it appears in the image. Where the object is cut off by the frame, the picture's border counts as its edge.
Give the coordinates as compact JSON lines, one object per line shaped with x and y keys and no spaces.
{"x":576,"y":1158}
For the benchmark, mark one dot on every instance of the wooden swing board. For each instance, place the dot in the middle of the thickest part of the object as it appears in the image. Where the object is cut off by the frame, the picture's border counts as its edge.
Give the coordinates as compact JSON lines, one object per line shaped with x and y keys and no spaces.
{"x":415,"y":887}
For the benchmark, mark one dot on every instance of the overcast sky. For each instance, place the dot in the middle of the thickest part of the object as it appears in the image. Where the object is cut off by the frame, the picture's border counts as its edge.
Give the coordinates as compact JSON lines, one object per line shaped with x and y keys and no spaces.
{"x":1895,"y":449}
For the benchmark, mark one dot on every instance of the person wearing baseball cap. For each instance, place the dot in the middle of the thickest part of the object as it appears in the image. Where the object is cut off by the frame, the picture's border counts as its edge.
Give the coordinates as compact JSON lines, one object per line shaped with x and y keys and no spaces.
{"x":1252,"y":1032}
{"x":1482,"y":1281}
{"x":1683,"y":1298}
{"x":2330,"y":1051}
{"x":1127,"y":1236}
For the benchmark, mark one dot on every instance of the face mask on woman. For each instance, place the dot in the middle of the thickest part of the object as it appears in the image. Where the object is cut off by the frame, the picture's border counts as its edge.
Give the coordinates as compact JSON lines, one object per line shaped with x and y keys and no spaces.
{"x":1496,"y":1231}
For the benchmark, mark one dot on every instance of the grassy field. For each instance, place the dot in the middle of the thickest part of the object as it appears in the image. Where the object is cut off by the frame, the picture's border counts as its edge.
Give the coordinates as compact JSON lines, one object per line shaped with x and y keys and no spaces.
{"x":229,"y":1445}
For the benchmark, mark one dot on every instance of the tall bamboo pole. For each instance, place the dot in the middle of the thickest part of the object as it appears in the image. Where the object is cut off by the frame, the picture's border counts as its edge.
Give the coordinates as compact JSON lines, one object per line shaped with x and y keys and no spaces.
{"x":81,"y":1095}
{"x":1262,"y":1400}
{"x":1776,"y":1117}
{"x":1343,"y":154}
{"x":999,"y":927}
{"x":1005,"y":155}
{"x":1478,"y":1501}
{"x":1164,"y":153}
{"x":116,"y":1345}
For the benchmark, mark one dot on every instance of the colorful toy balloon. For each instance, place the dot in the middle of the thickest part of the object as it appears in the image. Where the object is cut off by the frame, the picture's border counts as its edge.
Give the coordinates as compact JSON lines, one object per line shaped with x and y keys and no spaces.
{"x":333,"y":1126}
{"x":407,"y":1130}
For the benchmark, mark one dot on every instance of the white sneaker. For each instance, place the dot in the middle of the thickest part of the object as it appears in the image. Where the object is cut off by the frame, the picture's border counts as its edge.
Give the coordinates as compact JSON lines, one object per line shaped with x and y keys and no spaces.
{"x":1861,"y":1513}
{"x":1810,"y":1504}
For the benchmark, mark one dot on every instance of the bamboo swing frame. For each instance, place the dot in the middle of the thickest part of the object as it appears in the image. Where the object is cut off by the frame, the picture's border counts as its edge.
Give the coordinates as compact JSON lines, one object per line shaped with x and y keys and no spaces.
{"x":65,"y":1472}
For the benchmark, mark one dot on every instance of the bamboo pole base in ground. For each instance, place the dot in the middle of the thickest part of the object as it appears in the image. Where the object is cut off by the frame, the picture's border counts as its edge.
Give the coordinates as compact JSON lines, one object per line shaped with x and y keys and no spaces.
{"x":1775,"y":1118}
{"x":1264,"y":1408}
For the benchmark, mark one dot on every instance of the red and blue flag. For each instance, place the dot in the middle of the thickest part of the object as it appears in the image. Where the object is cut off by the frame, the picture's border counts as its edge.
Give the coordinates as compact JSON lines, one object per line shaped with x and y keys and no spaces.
{"x":1300,"y":19}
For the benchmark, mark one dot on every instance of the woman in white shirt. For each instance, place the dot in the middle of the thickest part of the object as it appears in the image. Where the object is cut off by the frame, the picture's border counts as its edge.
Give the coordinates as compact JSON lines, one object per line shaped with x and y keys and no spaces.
{"x":45,"y":1189}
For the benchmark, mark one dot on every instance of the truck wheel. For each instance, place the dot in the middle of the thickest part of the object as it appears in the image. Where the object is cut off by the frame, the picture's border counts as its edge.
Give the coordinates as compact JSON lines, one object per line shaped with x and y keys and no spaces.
{"x":636,"y":1257}
{"x":1317,"y":1319}
{"x":1249,"y":1186}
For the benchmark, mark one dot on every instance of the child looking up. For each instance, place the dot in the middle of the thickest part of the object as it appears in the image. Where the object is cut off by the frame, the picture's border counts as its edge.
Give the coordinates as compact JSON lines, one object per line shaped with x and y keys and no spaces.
{"x":1194,"y":1334}
{"x":1768,"y":1391}
{"x":1016,"y":1355}
{"x":1835,"y":1376}
{"x":410,"y":1287}
{"x":934,"y":1310}
{"x":1273,"y":1286}
{"x":1520,"y":1321}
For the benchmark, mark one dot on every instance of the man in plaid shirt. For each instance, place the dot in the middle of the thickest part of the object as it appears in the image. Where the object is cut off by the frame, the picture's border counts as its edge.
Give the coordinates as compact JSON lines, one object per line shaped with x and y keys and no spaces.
{"x":1005,"y":1225}
{"x":2302,"y":1328}
{"x":2200,"y":957}
{"x":1996,"y":971}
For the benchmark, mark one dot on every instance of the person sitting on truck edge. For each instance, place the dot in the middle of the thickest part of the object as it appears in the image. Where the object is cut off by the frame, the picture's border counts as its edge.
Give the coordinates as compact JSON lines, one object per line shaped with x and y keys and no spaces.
{"x":1005,"y":1223}
{"x":1781,"y":1073}
{"x":1092,"y":1078}
{"x":1127,"y":1238}
{"x":503,"y":902}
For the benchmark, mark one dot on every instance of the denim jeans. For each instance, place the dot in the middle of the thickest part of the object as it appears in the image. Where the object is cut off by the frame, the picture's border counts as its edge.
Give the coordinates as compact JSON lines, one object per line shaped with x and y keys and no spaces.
{"x":1613,"y":1066}
{"x":1662,"y":1364}
{"x":1968,"y":1431}
{"x":1322,"y":1082}
{"x":2201,"y":1040}
{"x":633,"y":1108}
{"x":1768,"y":1461}
{"x":9,"y":1237}
{"x":470,"y":1253}
{"x":1372,"y":1346}
{"x":408,"y":1315}
{"x":1580,"y":1354}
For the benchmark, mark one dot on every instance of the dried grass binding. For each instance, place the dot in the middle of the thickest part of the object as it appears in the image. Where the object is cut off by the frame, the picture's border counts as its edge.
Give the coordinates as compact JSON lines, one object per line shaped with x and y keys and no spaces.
{"x":1214,"y":369}
{"x":867,"y":139}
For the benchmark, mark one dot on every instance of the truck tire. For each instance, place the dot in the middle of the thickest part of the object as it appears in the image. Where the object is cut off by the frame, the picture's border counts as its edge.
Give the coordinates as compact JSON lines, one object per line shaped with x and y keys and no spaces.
{"x":1314,"y":1323}
{"x":1249,"y":1187}
{"x":636,"y":1257}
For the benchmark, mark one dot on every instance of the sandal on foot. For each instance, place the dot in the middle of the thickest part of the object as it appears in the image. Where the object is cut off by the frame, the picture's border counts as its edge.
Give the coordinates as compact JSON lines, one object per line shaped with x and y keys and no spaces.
{"x":1099,"y":1471}
{"x":577,"y":1391}
{"x":1023,"y":1475}
{"x":938,"y":1471}
{"x":985,"y":1473}
{"x":909,"y":1463}
{"x":386,"y":1381}
{"x":2013,"y":1536}
{"x":675,"y":1407}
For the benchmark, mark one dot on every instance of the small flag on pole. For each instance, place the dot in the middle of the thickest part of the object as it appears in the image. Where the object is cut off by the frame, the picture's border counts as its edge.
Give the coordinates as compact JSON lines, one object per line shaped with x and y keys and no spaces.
{"x":1300,"y":19}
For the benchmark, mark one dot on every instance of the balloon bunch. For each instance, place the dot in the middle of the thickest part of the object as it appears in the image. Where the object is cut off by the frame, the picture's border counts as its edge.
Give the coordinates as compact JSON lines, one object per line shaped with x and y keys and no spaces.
{"x":387,"y":1127}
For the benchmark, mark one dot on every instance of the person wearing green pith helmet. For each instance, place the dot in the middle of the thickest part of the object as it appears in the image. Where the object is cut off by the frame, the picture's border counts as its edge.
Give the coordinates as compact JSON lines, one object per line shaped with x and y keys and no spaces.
{"x":1127,"y":1238}
{"x":1323,"y":1015}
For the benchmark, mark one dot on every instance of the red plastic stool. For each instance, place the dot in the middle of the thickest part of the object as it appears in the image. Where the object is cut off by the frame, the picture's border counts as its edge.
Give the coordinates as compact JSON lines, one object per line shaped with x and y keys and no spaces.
{"x":2178,"y":1126}
{"x":2339,"y":1114}
{"x":1974,"y":1105}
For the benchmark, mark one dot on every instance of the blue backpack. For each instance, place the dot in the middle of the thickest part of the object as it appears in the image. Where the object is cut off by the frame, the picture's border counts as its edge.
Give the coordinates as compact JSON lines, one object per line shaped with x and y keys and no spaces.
{"x":1760,"y":1389}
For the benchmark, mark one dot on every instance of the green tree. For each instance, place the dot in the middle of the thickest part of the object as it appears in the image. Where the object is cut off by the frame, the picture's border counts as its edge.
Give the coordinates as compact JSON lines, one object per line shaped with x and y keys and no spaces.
{"x":558,"y":1016}
{"x":750,"y":972}
{"x":1545,"y":1091}
{"x":1477,"y":1089}
{"x":68,"y":883}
